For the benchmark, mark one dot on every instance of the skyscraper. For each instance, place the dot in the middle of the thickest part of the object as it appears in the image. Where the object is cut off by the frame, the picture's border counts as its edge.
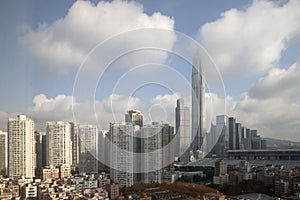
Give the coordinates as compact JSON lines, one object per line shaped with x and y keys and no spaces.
{"x":3,"y":153}
{"x":219,"y":136}
{"x":183,"y":131}
{"x":232,"y":134}
{"x":198,"y":104}
{"x":238,"y":135}
{"x":59,"y":145}
{"x":21,"y":148}
{"x":39,"y":152}
{"x":75,"y":143}
{"x":121,"y":153}
{"x":151,"y":161}
{"x":88,"y":154}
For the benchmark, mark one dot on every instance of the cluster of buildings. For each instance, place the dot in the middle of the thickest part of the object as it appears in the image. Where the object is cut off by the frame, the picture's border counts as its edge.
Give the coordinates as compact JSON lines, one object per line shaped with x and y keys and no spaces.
{"x":281,"y":181}
{"x":25,"y":152}
{"x":228,"y":134}
{"x":131,"y":151}
{"x":62,"y":187}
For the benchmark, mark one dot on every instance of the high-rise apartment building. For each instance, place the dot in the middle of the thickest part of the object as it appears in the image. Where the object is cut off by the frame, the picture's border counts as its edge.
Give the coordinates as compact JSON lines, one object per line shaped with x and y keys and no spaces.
{"x":198,"y":104}
{"x":151,"y":161}
{"x":21,"y":147}
{"x":121,"y":153}
{"x":75,"y":143}
{"x":183,"y":131}
{"x":135,"y":116}
{"x":40,"y":152}
{"x":88,"y":156}
{"x":3,"y":153}
{"x":59,"y":145}
{"x":168,"y":154}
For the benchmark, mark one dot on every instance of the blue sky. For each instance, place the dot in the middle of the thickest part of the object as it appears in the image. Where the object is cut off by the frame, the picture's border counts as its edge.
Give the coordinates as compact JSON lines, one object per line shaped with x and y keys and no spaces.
{"x":255,"y":45}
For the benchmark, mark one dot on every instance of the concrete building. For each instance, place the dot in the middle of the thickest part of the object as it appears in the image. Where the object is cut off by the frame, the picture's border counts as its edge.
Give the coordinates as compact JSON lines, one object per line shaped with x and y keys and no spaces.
{"x":121,"y":153}
{"x":21,"y":148}
{"x":113,"y":191}
{"x":183,"y":131}
{"x":59,"y":145}
{"x":88,"y":156}
{"x":135,"y":116}
{"x":232,"y":134}
{"x":75,"y":143}
{"x":64,"y":171}
{"x":40,"y":152}
{"x":151,"y":161}
{"x":238,"y":135}
{"x":198,"y":104}
{"x":221,"y":177}
{"x":167,"y":147}
{"x":281,"y":187}
{"x":221,"y":136}
{"x":29,"y":191}
{"x":50,"y":172}
{"x":3,"y":153}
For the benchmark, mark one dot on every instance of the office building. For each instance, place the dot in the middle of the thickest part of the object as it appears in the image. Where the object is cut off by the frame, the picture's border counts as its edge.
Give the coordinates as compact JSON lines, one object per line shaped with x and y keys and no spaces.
{"x":232,"y":134}
{"x":88,"y":156}
{"x":21,"y":147}
{"x":183,"y":131}
{"x":3,"y":153}
{"x":220,"y":137}
{"x":121,"y":153}
{"x":238,"y":135}
{"x":59,"y":145}
{"x":198,"y":104}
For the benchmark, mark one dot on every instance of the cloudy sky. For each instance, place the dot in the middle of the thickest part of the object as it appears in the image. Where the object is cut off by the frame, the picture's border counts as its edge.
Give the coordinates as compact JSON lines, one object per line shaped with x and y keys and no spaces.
{"x":90,"y":61}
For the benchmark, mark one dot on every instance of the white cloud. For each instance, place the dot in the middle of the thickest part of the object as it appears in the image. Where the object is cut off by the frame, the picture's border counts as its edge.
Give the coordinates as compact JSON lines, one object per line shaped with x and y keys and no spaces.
{"x":279,"y":83}
{"x":251,"y":40}
{"x":162,"y":108}
{"x":63,"y":44}
{"x":110,"y":109}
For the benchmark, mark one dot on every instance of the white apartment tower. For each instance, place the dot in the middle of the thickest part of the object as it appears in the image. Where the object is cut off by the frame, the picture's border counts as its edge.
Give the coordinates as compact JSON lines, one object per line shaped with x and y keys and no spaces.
{"x":121,"y":153}
{"x":88,"y":154}
{"x":3,"y":153}
{"x":59,"y":145}
{"x":21,"y":147}
{"x":151,"y":161}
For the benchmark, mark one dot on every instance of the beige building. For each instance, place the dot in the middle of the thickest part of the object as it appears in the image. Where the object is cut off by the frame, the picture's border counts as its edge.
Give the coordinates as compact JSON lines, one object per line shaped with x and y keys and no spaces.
{"x":3,"y":153}
{"x":21,"y":148}
{"x":59,"y":144}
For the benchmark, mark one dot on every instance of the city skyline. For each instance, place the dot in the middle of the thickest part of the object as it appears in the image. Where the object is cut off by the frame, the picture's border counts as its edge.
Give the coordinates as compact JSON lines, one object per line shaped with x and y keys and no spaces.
{"x":251,"y":54}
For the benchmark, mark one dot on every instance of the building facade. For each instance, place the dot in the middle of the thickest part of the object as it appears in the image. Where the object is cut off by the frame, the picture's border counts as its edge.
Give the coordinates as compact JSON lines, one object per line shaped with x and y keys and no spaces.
{"x":121,"y":153}
{"x":21,"y":148}
{"x":88,"y":156}
{"x":183,"y":131}
{"x":198,"y":104}
{"x":59,"y":145}
{"x":3,"y":153}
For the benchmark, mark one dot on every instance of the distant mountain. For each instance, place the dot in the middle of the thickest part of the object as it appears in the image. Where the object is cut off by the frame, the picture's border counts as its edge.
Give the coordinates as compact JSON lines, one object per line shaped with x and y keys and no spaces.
{"x":283,"y":144}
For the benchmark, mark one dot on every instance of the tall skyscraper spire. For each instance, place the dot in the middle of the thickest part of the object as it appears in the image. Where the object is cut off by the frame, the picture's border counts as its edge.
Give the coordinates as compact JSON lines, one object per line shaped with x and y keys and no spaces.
{"x":198,"y":104}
